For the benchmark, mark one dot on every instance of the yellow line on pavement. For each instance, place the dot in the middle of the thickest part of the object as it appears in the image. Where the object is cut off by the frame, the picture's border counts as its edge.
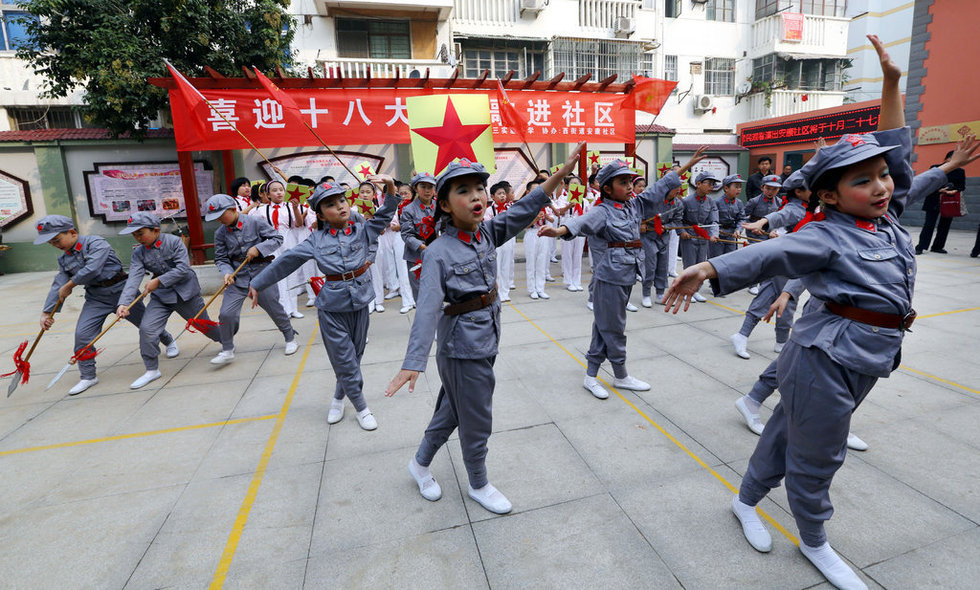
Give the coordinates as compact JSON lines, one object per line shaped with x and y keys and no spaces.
{"x":669,"y":436}
{"x":134,"y":435}
{"x":933,"y":315}
{"x":940,"y":379}
{"x":253,"y":489}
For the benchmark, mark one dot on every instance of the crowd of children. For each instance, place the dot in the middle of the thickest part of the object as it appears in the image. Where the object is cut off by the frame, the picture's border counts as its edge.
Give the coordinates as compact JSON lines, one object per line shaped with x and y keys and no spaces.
{"x":446,"y":246}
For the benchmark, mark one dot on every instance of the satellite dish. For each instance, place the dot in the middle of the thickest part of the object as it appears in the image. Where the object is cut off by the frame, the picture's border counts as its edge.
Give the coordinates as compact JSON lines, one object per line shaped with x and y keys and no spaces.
{"x":744,"y":88}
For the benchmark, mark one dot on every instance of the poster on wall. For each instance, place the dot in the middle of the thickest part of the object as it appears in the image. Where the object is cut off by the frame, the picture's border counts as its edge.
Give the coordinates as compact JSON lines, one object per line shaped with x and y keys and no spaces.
{"x":116,"y":191}
{"x":713,"y":164}
{"x":316,"y":165}
{"x":15,"y":200}
{"x":513,"y":166}
{"x":792,"y":26}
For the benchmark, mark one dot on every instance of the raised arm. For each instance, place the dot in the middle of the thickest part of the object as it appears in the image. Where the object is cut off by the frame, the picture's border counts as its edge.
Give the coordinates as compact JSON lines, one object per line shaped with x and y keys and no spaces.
{"x":892,"y":115}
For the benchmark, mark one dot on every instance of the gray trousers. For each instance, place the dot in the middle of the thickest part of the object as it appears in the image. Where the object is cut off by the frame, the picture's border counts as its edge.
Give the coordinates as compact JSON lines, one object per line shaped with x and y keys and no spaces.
{"x":608,"y":327}
{"x":769,"y":291}
{"x":155,"y":320}
{"x":805,"y":440}
{"x":90,"y":323}
{"x":766,"y":384}
{"x":413,"y":279}
{"x":231,"y":311}
{"x":654,"y":265}
{"x":694,"y":251}
{"x":344,"y":336}
{"x":466,"y":402}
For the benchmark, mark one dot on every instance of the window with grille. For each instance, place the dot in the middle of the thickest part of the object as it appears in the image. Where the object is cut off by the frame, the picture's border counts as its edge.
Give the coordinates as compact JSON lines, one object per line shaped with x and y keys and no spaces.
{"x":803,"y":74}
{"x":721,"y":10}
{"x":599,"y":57}
{"x":28,"y":118}
{"x":374,"y":39}
{"x":670,"y":68}
{"x":764,"y":8}
{"x":719,"y":76}
{"x":500,"y":56}
{"x":672,"y":8}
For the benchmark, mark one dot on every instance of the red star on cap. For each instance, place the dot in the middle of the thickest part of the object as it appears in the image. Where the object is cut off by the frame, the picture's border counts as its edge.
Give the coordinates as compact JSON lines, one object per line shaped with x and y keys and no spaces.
{"x":453,"y":138}
{"x":40,"y":226}
{"x":211,"y":207}
{"x":854,"y":140}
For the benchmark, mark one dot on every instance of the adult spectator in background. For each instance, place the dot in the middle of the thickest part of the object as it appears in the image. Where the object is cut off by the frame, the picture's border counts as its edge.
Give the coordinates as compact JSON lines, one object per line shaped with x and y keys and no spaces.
{"x":753,"y":187}
{"x":956,"y":182}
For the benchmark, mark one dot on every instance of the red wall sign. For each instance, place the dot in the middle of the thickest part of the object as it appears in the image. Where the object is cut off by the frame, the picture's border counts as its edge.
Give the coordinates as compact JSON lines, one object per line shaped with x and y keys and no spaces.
{"x":803,"y":130}
{"x":380,"y":116}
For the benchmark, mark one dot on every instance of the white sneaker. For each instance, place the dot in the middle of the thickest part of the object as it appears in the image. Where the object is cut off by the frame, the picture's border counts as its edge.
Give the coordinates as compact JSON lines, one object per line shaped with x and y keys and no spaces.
{"x":741,"y":344}
{"x":631,"y":307}
{"x":672,"y":274}
{"x":534,"y":295}
{"x":297,"y":315}
{"x":392,"y":294}
{"x":592,"y":385}
{"x":646,"y":302}
{"x":405,"y":309}
{"x":147,"y":377}
{"x":428,"y":486}
{"x":632,"y":383}
{"x":224,"y":357}
{"x":310,"y":302}
{"x":172,"y":350}
{"x":571,"y":288}
{"x":491,"y":499}
{"x":366,"y":419}
{"x":543,"y":295}
{"x":832,"y":567}
{"x":753,"y":529}
{"x":698,"y":297}
{"x":291,"y":347}
{"x":336,"y":413}
{"x":85,"y":384}
{"x":778,"y":347}
{"x":754,"y":290}
{"x":660,"y":299}
{"x":379,"y":308}
{"x":505,"y":299}
{"x":589,"y":305}
{"x":853,"y":442}
{"x":749,"y":410}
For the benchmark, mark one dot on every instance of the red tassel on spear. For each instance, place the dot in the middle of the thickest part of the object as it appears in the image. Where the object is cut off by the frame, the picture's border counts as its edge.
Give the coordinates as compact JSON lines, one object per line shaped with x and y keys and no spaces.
{"x":86,"y":353}
{"x":658,"y":225}
{"x":203,"y":326}
{"x":21,"y":365}
{"x":317,"y":283}
{"x":700,"y":231}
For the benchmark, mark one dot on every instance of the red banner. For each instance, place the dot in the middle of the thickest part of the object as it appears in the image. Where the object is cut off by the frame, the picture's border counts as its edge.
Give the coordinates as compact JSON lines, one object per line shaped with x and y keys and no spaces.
{"x":380,"y":116}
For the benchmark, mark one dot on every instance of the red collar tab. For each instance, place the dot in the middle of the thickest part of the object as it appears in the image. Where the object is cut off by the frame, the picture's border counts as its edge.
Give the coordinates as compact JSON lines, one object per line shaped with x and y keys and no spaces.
{"x":865,"y":224}
{"x":767,"y":199}
{"x":155,"y":244}
{"x":700,"y":199}
{"x":617,"y":204}
{"x":240,"y":224}
{"x":467,"y":238}
{"x":78,"y":246}
{"x":346,"y":230}
{"x":732,"y":202}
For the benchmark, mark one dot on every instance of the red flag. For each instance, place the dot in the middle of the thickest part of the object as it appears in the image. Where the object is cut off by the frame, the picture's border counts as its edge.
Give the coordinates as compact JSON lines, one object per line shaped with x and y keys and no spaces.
{"x":700,"y":231}
{"x":650,"y":94}
{"x":658,"y":225}
{"x":196,"y":102}
{"x":509,"y":115}
{"x":289,"y":107}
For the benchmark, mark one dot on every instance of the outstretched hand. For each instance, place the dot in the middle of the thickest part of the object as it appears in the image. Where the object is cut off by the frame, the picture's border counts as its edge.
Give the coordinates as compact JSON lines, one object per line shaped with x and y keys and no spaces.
{"x":404,"y":376}
{"x":686,"y":285}
{"x":965,"y":152}
{"x":778,"y":307}
{"x":889,"y":68}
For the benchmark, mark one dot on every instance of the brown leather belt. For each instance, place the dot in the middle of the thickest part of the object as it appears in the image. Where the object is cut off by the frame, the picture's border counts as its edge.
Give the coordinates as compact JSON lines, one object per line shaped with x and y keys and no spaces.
{"x":349,"y":276}
{"x":471,"y":304}
{"x":632,"y":244}
{"x":261,"y":260}
{"x":873,"y":318}
{"x":118,"y":278}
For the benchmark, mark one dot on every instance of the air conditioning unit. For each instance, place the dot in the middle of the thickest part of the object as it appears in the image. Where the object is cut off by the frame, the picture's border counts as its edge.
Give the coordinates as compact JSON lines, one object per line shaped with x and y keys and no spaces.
{"x":532,"y":6}
{"x":625,"y":26}
{"x":704,"y":103}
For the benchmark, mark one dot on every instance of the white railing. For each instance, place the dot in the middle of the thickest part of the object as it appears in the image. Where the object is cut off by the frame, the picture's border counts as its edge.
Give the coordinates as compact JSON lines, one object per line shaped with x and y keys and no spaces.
{"x":354,"y":67}
{"x":605,"y":14}
{"x":482,"y":12}
{"x":825,"y":35}
{"x":790,"y":102}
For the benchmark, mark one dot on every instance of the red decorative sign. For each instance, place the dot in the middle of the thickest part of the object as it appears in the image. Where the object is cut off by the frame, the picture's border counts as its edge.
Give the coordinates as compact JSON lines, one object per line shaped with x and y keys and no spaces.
{"x":380,"y":116}
{"x":792,"y":26}
{"x":829,"y":127}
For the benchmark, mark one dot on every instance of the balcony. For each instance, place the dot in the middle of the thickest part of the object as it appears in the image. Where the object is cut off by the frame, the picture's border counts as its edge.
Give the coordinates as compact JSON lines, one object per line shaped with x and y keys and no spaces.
{"x":486,"y":12}
{"x":359,"y":67}
{"x":618,"y":16}
{"x":789,"y":102}
{"x":441,"y":8}
{"x":823,"y":36}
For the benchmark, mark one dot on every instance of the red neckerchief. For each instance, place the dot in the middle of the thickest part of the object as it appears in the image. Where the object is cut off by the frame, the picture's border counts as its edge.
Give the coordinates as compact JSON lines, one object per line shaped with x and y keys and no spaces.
{"x":810,"y":216}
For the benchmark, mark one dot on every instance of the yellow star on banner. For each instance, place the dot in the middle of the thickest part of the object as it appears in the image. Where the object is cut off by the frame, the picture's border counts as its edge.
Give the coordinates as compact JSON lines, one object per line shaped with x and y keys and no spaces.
{"x":445,"y":127}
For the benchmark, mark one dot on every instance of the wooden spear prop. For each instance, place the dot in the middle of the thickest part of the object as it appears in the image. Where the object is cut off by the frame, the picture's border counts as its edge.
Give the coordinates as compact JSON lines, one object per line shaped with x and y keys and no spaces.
{"x":87,"y":352}
{"x":204,"y":326}
{"x":22,"y":371}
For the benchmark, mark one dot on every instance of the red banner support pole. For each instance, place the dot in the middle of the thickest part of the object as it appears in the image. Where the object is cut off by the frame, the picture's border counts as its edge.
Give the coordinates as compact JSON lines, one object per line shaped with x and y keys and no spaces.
{"x":228,"y":165}
{"x":583,"y":166}
{"x":192,"y":208}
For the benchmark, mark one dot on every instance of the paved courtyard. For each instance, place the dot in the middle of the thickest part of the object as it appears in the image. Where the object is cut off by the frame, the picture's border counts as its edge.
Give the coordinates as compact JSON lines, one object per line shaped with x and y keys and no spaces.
{"x":231,"y":476}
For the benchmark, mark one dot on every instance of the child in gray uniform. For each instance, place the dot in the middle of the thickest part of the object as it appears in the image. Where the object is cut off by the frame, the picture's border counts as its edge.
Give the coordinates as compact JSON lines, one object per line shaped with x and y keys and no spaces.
{"x":613,"y":228}
{"x":241,"y":238}
{"x":91,"y":262}
{"x":342,"y":249}
{"x":860,"y":263}
{"x":174,"y":287}
{"x":701,"y":210}
{"x":417,"y":221}
{"x":461,"y":270}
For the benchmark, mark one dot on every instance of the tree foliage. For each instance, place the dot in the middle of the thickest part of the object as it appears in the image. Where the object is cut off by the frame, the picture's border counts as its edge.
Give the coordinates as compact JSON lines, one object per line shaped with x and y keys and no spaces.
{"x":110,"y":47}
